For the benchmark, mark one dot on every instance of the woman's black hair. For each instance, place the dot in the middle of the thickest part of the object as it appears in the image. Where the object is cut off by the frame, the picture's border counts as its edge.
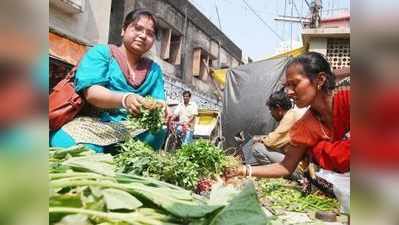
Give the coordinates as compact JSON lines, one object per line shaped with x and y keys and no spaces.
{"x":279,"y":99}
{"x":314,"y":63}
{"x":186,"y":92}
{"x":133,"y":16}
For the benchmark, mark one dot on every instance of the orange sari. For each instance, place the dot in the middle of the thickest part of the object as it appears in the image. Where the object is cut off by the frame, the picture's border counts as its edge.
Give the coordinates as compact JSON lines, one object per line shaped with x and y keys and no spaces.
{"x":329,"y":148}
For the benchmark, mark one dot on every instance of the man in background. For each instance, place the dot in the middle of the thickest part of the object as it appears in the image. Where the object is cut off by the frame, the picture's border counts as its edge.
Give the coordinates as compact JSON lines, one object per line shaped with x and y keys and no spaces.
{"x":186,"y":112}
{"x":269,"y":148}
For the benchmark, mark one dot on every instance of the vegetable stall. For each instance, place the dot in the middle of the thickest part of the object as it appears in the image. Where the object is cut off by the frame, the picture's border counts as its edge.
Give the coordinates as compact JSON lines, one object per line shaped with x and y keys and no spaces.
{"x":141,"y":186}
{"x":86,"y":188}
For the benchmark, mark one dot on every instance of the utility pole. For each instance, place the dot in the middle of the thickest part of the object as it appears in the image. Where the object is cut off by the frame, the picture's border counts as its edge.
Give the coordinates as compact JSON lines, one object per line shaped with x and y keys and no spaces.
{"x":315,"y":8}
{"x":217,"y":12}
{"x":292,"y":14}
{"x":312,"y":22}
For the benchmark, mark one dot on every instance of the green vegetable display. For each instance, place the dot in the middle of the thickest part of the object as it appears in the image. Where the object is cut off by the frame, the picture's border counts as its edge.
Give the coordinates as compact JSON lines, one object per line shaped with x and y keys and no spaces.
{"x":151,"y":116}
{"x":184,"y":168}
{"x":283,"y":196}
{"x":210,"y":159}
{"x":245,"y":201}
{"x":140,"y":159}
{"x":90,"y":192}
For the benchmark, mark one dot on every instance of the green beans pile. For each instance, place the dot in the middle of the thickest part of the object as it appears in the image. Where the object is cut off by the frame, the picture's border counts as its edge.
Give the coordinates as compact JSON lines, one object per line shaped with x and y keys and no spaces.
{"x":282,"y":196}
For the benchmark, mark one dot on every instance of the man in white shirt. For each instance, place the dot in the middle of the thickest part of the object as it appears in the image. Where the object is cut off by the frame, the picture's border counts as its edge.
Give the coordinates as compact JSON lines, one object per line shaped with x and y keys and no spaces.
{"x":186,"y":112}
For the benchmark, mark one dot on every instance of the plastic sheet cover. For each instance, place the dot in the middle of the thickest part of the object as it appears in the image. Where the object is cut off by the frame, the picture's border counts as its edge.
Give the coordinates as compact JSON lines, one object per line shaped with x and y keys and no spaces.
{"x":247,"y":89}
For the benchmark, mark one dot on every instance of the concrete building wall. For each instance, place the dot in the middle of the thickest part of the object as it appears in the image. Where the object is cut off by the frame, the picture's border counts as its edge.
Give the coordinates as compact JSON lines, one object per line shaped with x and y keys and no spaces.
{"x":234,"y":63}
{"x":201,"y":21}
{"x":318,"y":45}
{"x":225,"y":58}
{"x":199,"y":38}
{"x":89,"y":26}
{"x":164,"y":11}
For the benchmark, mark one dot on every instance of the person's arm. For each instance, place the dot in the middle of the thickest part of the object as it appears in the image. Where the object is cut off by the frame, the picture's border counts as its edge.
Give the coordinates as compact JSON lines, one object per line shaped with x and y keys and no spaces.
{"x":194,"y":113}
{"x":284,"y":168}
{"x":175,"y":113}
{"x":102,"y":97}
{"x":189,"y":123}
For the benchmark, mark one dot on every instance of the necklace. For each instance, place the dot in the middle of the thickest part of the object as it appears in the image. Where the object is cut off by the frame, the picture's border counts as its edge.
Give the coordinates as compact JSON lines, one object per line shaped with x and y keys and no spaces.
{"x":322,"y":129}
{"x":318,"y":118}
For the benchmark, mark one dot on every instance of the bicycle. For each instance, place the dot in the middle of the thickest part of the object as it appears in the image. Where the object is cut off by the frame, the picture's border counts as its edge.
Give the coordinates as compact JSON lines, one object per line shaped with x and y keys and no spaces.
{"x":174,"y":139}
{"x":237,"y":151}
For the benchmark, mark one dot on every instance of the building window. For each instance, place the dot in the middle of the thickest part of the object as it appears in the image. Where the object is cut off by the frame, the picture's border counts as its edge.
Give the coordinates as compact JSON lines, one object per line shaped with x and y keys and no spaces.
{"x":171,"y":44}
{"x":338,"y":53}
{"x":201,"y":63}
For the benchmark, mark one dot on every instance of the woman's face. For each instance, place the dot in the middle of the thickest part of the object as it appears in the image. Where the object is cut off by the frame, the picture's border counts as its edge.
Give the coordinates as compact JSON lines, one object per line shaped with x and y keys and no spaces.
{"x":139,"y":36}
{"x":299,"y":87}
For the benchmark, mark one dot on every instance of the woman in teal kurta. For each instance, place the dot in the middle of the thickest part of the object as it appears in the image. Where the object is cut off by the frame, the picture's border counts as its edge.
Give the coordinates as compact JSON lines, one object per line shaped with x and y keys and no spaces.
{"x":99,"y":68}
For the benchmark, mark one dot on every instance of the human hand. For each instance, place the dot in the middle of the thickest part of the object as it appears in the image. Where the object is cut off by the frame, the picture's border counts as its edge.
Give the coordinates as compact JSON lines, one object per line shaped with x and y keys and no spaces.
{"x":257,"y":139}
{"x":234,"y":172}
{"x":133,"y":103}
{"x":186,"y":125}
{"x":152,"y":104}
{"x":168,"y":113}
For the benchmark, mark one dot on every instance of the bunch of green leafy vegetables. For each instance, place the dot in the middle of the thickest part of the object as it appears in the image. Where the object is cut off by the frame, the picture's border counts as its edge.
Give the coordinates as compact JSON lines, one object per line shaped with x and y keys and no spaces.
{"x":282,"y":195}
{"x":151,"y":116}
{"x":198,"y":160}
{"x":210,"y":159}
{"x":84,"y":189}
{"x":184,"y":168}
{"x":138,"y":158}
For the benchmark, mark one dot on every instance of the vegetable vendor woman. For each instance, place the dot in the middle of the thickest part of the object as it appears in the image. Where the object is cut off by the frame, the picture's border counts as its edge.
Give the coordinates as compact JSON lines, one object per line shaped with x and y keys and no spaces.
{"x":322,"y":134}
{"x":113,"y":95}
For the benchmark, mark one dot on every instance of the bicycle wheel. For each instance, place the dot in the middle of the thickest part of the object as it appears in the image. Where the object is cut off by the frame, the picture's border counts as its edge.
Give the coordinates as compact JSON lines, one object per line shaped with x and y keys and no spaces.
{"x":231,"y":151}
{"x":217,"y":142}
{"x":170,"y":143}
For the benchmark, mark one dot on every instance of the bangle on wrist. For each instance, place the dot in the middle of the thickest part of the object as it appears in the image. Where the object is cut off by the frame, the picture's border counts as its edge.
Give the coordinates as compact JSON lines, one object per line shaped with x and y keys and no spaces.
{"x":124,"y":99}
{"x":248,"y":171}
{"x":245,"y":171}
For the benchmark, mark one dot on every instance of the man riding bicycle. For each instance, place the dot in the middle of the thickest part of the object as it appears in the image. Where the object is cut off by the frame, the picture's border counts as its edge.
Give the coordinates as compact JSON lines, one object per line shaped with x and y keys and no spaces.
{"x":186,"y":112}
